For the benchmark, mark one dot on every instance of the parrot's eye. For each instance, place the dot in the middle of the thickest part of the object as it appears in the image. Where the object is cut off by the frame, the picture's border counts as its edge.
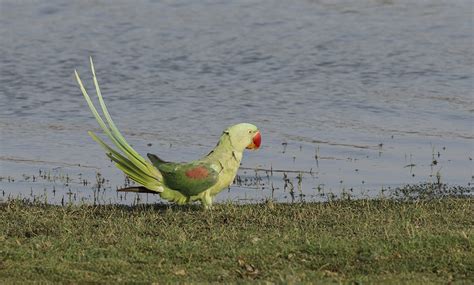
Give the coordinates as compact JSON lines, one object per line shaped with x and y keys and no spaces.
{"x":250,"y":131}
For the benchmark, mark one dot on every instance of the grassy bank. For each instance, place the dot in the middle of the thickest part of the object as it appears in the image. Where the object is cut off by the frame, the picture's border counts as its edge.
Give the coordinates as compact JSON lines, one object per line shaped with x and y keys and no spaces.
{"x":338,"y":241}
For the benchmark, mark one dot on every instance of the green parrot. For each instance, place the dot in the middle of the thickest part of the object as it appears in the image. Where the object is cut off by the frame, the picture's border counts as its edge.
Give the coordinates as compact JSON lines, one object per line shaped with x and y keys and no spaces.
{"x":182,"y":183}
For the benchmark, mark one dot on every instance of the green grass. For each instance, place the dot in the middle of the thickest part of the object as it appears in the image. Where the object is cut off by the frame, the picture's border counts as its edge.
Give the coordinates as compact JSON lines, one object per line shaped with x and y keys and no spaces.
{"x":363,"y":241}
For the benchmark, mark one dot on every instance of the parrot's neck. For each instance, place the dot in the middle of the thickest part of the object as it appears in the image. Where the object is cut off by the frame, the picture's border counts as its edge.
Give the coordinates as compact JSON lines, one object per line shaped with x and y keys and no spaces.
{"x":225,"y":150}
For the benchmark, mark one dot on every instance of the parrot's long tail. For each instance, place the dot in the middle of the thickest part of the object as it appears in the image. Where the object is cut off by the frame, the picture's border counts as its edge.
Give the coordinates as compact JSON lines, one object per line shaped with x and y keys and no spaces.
{"x":125,"y":158}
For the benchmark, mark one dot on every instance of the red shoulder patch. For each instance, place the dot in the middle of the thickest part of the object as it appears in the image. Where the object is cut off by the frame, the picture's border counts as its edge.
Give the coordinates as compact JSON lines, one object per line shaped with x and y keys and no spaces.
{"x":199,"y":172}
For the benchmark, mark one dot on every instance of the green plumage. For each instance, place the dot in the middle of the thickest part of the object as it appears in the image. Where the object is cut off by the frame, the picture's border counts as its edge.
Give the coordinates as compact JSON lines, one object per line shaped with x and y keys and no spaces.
{"x":179,"y":176}
{"x":175,"y":182}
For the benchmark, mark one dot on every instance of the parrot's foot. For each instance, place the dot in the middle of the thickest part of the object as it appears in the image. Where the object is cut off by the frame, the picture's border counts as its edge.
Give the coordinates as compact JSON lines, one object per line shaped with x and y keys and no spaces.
{"x":206,"y":201}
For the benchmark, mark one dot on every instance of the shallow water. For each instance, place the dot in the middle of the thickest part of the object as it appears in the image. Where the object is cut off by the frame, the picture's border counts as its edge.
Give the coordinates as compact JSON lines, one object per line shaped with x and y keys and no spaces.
{"x":355,"y":95}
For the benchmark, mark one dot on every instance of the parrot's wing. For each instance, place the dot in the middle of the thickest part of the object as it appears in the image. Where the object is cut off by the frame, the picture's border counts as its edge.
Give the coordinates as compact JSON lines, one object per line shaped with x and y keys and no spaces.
{"x":189,"y":179}
{"x":125,"y":158}
{"x":155,"y":160}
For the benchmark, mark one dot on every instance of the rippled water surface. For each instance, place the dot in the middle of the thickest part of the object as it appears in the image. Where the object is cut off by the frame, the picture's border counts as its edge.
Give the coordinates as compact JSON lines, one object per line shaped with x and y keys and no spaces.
{"x":350,"y":96}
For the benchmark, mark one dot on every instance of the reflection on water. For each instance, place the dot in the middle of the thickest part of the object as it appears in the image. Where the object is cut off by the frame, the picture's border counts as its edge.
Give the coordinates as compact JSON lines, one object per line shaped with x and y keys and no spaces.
{"x":349,"y":96}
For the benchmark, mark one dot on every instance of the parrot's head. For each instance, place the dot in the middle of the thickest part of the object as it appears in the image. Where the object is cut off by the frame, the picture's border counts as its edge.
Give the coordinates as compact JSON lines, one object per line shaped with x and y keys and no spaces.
{"x":244,"y":136}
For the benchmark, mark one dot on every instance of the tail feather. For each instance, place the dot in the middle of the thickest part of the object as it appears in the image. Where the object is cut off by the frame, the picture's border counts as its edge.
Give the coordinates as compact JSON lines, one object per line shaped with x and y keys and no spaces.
{"x":129,"y":161}
{"x":137,"y":189}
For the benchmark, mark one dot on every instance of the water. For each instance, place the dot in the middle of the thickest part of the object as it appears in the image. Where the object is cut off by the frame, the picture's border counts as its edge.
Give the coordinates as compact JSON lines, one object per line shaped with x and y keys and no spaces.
{"x":354,"y":95}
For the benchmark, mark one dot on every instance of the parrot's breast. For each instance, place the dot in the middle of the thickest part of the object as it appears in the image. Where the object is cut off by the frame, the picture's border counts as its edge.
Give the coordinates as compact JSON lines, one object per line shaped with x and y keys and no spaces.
{"x":230,"y":166}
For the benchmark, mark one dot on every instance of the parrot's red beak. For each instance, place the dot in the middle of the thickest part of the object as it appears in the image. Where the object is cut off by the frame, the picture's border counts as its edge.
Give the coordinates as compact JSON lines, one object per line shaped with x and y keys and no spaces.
{"x":256,"y":141}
